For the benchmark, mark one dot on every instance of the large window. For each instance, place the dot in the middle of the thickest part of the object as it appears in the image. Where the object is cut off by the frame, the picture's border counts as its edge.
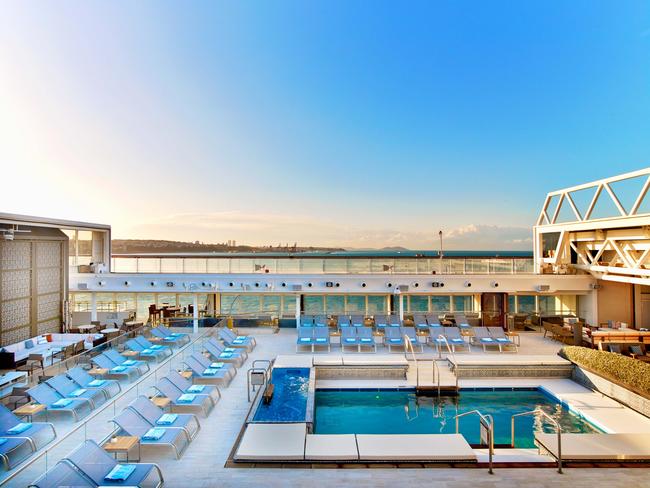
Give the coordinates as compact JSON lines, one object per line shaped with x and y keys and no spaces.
{"x":272,"y":303}
{"x":356,"y":304}
{"x":313,"y":304}
{"x":376,"y":304}
{"x":463,"y":303}
{"x":440,"y":303}
{"x":335,"y":304}
{"x":417,"y":303}
{"x":525,"y":303}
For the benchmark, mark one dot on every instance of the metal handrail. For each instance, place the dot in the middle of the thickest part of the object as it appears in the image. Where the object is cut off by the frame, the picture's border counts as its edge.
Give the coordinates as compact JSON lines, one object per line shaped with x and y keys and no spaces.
{"x":436,"y":374}
{"x":555,"y":423}
{"x":449,"y":349}
{"x":417,"y":368}
{"x":488,"y":423}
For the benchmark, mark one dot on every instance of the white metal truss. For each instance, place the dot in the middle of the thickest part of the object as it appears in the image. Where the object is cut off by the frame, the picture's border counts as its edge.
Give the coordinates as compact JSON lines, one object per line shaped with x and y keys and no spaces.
{"x":615,"y":248}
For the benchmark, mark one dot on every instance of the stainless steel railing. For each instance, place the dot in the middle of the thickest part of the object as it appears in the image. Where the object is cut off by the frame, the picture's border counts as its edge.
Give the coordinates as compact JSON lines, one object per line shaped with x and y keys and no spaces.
{"x":555,"y":423}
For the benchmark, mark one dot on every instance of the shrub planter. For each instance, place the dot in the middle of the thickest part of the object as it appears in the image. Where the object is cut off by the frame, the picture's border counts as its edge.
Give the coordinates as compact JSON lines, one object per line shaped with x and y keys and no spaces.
{"x":619,"y":377}
{"x":612,"y":389}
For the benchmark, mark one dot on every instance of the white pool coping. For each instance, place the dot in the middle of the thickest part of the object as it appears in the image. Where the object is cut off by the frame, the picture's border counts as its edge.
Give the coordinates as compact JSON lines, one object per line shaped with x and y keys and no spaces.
{"x":598,"y":447}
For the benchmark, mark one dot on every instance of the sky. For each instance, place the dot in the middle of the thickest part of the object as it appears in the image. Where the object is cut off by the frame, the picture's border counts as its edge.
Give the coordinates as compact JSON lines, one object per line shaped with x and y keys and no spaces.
{"x":334,"y":123}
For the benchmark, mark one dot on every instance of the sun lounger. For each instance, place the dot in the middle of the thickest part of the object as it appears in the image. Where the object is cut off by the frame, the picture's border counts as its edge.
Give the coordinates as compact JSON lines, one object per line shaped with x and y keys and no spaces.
{"x":454,"y":339}
{"x":55,"y":402}
{"x":394,"y":321}
{"x":343,"y":321}
{"x":412,"y":336}
{"x":69,"y":389}
{"x":482,"y":337}
{"x":381,"y":322}
{"x":461,"y":321}
{"x":120,"y":360}
{"x":14,"y":450}
{"x":37,"y":433}
{"x":103,"y":470}
{"x":433,"y":320}
{"x":144,"y":352}
{"x":146,"y":343}
{"x":216,"y":376}
{"x":185,"y":401}
{"x":186,"y":386}
{"x":224,"y":354}
{"x":237,"y":352}
{"x":237,"y":341}
{"x":132,"y":424}
{"x":505,"y":343}
{"x":420,"y":322}
{"x":115,"y":371}
{"x":393,"y":337}
{"x":321,"y":321}
{"x":321,"y":338}
{"x":84,"y":380}
{"x":357,"y":320}
{"x":365,"y":338}
{"x":305,"y":339}
{"x":63,"y":474}
{"x":156,"y":417}
{"x":174,"y":338}
{"x":349,"y":338}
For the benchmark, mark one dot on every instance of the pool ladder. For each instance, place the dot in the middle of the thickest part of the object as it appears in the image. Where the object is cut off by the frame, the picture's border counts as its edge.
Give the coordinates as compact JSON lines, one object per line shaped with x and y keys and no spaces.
{"x":258,"y":376}
{"x":556,"y":424}
{"x":487,"y":430}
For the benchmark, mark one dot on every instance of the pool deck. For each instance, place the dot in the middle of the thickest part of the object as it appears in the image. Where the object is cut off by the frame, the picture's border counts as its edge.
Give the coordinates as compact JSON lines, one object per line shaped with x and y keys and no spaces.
{"x":202,"y":465}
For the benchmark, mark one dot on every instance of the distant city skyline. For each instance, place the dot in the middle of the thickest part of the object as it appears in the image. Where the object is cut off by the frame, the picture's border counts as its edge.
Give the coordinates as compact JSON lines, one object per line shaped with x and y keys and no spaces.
{"x":343,"y":123}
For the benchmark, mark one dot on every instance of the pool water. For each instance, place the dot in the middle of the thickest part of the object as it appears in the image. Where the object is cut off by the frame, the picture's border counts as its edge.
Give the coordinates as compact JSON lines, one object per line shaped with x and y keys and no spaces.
{"x":401,"y":412}
{"x":289,"y":402}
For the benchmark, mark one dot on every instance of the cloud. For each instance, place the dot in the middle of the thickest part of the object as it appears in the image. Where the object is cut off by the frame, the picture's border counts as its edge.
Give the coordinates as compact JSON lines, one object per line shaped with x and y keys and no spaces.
{"x":273,"y":229}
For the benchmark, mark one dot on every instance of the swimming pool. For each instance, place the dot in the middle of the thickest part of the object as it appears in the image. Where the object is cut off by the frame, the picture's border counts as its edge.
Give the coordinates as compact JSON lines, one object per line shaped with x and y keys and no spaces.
{"x":289,"y":402}
{"x":402,"y":412}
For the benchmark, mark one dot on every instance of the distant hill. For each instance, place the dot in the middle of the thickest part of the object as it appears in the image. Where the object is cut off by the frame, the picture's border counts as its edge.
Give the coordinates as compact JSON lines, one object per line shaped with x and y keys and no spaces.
{"x":135,"y":246}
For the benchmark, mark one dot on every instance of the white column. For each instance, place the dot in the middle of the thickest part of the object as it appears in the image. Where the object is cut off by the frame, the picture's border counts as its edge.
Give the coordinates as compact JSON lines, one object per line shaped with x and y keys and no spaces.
{"x":297,"y":310}
{"x":401,"y":308}
{"x":195,"y":313}
{"x":93,"y":307}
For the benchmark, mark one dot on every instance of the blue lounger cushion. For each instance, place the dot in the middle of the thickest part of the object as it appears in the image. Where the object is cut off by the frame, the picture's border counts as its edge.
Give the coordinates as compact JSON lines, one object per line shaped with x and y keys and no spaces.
{"x":97,"y":383}
{"x":225,"y":355}
{"x":487,"y":339}
{"x":457,"y":340}
{"x":503,"y":339}
{"x":218,"y":365}
{"x":186,"y":398}
{"x":62,"y":403}
{"x":321,"y":339}
{"x":19,"y":428}
{"x":146,"y":351}
{"x":196,"y":389}
{"x":300,"y":339}
{"x":128,"y":362}
{"x":350,"y":339}
{"x":78,"y":392}
{"x":153,"y":434}
{"x":167,"y":419}
{"x":120,"y":472}
{"x":118,"y":369}
{"x":210,"y":372}
{"x":366,"y":339}
{"x":228,"y":349}
{"x":156,"y":347}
